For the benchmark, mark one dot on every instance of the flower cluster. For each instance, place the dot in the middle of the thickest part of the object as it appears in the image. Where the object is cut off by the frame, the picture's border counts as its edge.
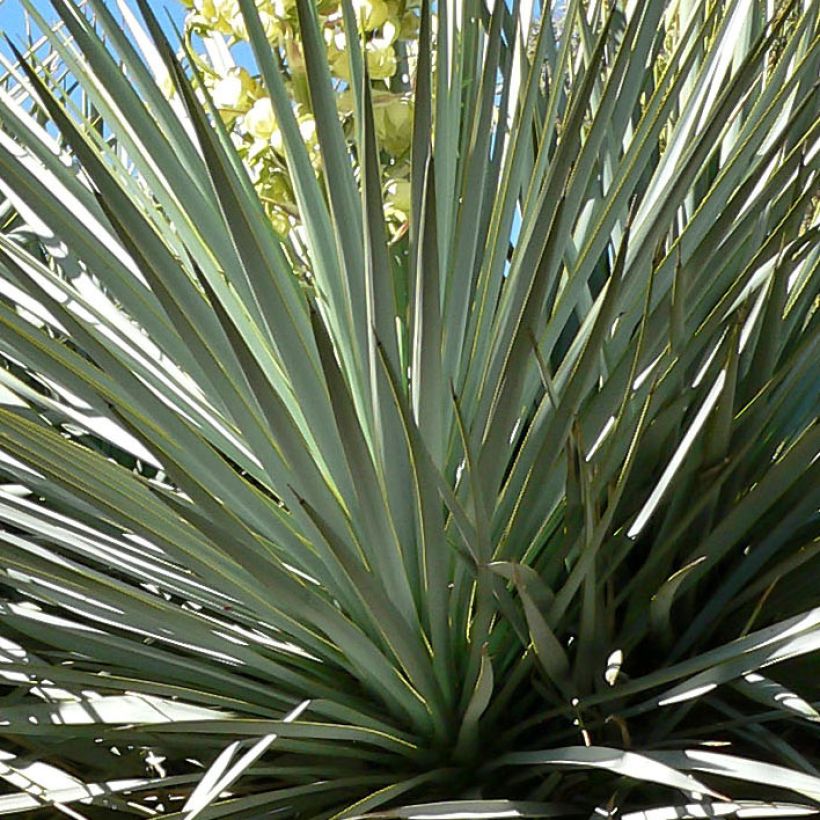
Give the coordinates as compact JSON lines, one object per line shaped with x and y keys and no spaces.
{"x":388,"y":30}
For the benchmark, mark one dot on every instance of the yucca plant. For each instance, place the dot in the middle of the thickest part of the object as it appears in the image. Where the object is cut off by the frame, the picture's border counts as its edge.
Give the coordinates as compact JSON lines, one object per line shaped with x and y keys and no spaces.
{"x":512,"y":515}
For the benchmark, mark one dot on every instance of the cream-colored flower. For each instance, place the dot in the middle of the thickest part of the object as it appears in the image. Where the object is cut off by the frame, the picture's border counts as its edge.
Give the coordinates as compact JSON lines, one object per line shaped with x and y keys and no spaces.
{"x":387,"y":35}
{"x":259,"y":121}
{"x":219,"y":14}
{"x":282,"y":8}
{"x":205,"y":9}
{"x":234,"y":91}
{"x":336,"y":41}
{"x":271,"y":26}
{"x":238,"y":28}
{"x":381,"y":62}
{"x":371,"y":14}
{"x":340,"y":65}
{"x":337,"y":58}
{"x":393,"y":118}
{"x":397,"y":126}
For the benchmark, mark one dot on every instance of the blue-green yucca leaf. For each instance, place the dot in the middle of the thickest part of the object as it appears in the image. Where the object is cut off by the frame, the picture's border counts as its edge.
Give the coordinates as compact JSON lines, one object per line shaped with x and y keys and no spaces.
{"x":536,"y":470}
{"x":278,"y":294}
{"x":342,"y":193}
{"x":638,"y":766}
{"x":432,"y":553}
{"x":382,"y":300}
{"x":460,"y":285}
{"x":330,"y":275}
{"x":428,"y":392}
{"x":375,"y":521}
{"x":541,"y":446}
{"x":183,"y":176}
